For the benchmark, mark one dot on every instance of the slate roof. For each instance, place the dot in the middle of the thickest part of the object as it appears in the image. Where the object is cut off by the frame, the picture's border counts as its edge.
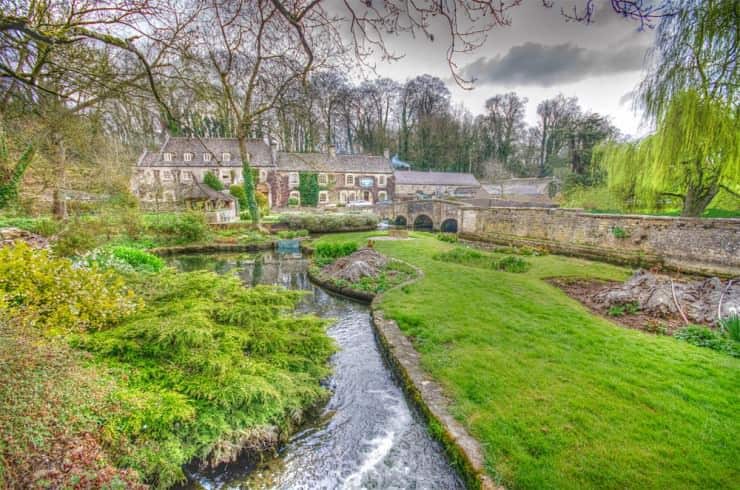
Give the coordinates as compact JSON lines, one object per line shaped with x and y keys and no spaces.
{"x":261,"y":154}
{"x":411,"y":177}
{"x":198,"y":191}
{"x":520,"y":187}
{"x":322,"y":162}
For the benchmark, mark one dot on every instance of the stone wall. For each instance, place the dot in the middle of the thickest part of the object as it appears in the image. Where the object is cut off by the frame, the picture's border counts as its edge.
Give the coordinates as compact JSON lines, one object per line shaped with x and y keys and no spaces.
{"x":707,"y":246}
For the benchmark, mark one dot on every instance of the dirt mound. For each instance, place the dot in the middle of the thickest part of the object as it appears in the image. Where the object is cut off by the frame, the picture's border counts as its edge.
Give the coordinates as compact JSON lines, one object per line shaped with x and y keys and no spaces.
{"x":363,"y":263}
{"x":8,"y":236}
{"x":659,"y":296}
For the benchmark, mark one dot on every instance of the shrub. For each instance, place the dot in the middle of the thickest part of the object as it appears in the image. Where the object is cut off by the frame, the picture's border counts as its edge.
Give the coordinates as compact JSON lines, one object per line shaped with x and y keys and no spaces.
{"x":138,"y":259}
{"x":619,"y":232}
{"x":212,"y":181}
{"x":309,"y":188}
{"x":731,"y":326}
{"x":447,"y":237}
{"x":293,"y":201}
{"x":704,"y":337}
{"x":184,"y":227}
{"x":51,"y":294}
{"x":205,"y":363}
{"x":328,"y":222}
{"x":335,"y":250}
{"x":238,"y":192}
{"x":512,"y":264}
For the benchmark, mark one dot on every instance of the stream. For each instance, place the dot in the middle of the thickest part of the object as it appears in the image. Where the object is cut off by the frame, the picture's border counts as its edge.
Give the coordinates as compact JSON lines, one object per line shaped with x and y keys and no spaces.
{"x":367,"y":435}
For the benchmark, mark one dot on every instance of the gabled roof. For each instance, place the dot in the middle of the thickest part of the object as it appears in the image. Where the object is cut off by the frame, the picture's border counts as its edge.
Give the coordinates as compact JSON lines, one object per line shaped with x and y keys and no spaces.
{"x":533,"y":186}
{"x":259,"y":152}
{"x":201,"y":192}
{"x":411,"y":177}
{"x":322,"y":162}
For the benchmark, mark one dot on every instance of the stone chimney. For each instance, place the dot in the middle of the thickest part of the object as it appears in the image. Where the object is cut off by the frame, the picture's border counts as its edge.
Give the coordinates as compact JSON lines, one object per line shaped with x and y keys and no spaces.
{"x":387,"y":153}
{"x":332,"y":151}
{"x":274,"y":151}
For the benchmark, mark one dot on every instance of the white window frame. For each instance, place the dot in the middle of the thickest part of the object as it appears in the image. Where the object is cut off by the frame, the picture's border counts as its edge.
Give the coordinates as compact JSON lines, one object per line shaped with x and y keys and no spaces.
{"x":166,"y":175}
{"x":206,"y":157}
{"x":186,"y":175}
{"x":295,"y":194}
{"x":293,"y":178}
{"x":349,"y":179}
{"x":381,"y":181}
{"x":225,"y":175}
{"x":382,"y":196}
{"x":323,"y":197}
{"x":351,"y":196}
{"x":323,"y":179}
{"x":187,"y":156}
{"x":167,"y":156}
{"x":226,"y":156}
{"x":343,"y":197}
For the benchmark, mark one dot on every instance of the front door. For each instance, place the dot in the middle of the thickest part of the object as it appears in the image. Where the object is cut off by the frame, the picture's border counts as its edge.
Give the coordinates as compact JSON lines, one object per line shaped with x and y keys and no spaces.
{"x":367,"y":196}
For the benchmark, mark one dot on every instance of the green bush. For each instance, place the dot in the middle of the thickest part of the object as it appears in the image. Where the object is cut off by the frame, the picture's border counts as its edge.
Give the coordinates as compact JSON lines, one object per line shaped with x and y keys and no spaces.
{"x":475,"y":258}
{"x":335,"y":250}
{"x":52,"y":294}
{"x":293,"y":202}
{"x":138,"y":259}
{"x":704,"y":337}
{"x":238,"y":192}
{"x":183,"y":227}
{"x":212,"y":181}
{"x":328,"y":222}
{"x":308,"y":186}
{"x":447,"y":237}
{"x":205,"y":364}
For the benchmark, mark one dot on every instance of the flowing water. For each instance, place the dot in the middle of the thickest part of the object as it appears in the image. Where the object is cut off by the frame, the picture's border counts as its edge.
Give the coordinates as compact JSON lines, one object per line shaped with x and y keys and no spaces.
{"x":366,"y":436}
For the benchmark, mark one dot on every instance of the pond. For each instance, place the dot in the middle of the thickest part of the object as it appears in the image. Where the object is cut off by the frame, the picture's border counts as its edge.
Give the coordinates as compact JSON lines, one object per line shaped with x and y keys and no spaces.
{"x":367,"y":435}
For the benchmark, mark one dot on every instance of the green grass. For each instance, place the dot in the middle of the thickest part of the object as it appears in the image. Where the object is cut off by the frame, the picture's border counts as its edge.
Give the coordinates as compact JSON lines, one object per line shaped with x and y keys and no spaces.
{"x":558,"y":397}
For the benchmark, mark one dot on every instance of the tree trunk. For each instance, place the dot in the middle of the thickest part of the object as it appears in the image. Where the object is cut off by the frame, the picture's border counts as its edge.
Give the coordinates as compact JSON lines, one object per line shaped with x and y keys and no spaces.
{"x":697,"y":200}
{"x":249,"y":185}
{"x":59,"y":203}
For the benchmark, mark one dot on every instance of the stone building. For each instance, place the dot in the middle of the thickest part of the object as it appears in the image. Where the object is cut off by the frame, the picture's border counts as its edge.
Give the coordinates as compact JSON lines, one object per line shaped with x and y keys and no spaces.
{"x":413,"y":184}
{"x":342,"y":178}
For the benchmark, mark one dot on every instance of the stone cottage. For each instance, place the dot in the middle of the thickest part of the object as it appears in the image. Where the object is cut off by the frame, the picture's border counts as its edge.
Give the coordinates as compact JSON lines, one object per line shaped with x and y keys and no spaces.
{"x":412,"y":184}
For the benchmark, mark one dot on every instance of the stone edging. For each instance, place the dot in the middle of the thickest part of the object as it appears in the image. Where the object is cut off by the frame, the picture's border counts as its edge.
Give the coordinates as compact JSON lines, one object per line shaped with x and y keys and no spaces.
{"x":426,"y":394}
{"x":213,"y":248}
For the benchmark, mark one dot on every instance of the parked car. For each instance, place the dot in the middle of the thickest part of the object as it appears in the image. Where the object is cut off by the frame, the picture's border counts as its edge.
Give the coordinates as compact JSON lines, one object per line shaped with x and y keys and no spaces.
{"x":359,"y":204}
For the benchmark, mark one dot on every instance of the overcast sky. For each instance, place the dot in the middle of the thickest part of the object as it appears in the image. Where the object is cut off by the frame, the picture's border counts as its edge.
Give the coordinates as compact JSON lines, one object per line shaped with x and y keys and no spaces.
{"x":540,"y":55}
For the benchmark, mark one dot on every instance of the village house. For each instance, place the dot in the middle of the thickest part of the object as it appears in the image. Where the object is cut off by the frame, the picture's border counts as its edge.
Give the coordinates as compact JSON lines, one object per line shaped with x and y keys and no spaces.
{"x":172,"y":177}
{"x":412,"y":184}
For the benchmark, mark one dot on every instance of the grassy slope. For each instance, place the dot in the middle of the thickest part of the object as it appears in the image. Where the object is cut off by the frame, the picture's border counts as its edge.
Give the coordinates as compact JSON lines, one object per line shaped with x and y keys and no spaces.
{"x":560,"y":398}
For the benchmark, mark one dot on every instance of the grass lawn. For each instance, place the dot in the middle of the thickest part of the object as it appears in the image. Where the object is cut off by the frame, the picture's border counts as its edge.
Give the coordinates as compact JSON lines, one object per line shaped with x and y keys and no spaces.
{"x":558,"y":397}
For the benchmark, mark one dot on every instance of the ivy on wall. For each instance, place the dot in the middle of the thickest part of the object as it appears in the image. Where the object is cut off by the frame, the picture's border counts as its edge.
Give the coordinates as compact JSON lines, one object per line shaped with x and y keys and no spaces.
{"x":10,"y":179}
{"x":308,"y":186}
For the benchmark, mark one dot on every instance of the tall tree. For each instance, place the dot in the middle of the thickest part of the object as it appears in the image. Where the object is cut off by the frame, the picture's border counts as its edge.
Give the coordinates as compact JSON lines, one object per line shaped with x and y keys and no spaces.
{"x":504,"y":121}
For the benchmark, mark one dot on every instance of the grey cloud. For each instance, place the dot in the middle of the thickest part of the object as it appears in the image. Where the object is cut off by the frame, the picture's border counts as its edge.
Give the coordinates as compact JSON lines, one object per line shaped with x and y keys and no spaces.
{"x":545,"y":66}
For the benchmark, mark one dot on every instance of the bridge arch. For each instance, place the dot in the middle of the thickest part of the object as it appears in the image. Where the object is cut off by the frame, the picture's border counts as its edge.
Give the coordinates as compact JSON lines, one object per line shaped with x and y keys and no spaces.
{"x":449,"y":226}
{"x":423,"y":222}
{"x":400,"y":220}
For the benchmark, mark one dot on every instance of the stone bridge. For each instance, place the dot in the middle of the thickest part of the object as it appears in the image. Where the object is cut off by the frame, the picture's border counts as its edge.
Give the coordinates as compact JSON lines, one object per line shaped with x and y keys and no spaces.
{"x":428,"y":214}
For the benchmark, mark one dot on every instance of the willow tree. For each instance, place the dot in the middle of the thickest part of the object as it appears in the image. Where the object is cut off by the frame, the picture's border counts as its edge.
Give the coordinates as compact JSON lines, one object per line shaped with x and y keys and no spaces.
{"x":691,"y":96}
{"x":692,"y":156}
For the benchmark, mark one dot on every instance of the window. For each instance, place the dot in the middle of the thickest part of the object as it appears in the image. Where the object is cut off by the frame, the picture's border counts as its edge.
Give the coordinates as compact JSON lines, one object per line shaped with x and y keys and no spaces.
{"x":156,"y":174}
{"x":323,"y":179}
{"x":381,"y":180}
{"x":226,"y":156}
{"x":225,"y":175}
{"x":263,"y":175}
{"x":187,"y":157}
{"x":349,"y":179}
{"x":352,"y":196}
{"x":323,"y":196}
{"x":382,"y":196}
{"x":166,"y":175}
{"x":293,"y":178}
{"x":343,"y":196}
{"x":206,"y":157}
{"x":295,"y":195}
{"x":186,"y":176}
{"x":167,"y":156}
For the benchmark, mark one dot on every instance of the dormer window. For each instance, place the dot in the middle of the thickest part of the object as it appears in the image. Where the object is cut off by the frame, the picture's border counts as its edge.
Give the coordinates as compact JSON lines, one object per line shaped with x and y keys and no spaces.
{"x":187,"y":157}
{"x":226,"y":156}
{"x":167,"y":156}
{"x":206,"y":157}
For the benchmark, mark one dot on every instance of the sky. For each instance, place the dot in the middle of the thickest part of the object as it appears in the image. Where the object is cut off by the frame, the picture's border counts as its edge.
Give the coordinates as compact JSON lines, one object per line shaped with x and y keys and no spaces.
{"x":538,"y":56}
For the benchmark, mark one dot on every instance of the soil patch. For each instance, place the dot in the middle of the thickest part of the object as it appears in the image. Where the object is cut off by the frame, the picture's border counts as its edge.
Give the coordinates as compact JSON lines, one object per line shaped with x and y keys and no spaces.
{"x":587,"y":290}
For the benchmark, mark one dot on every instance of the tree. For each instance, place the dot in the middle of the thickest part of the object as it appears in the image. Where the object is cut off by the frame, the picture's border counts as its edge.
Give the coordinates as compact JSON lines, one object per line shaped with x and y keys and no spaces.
{"x":691,"y":96}
{"x":212,"y":181}
{"x":11,"y":173}
{"x":504,"y":122}
{"x":555,"y":115}
{"x":694,"y":153}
